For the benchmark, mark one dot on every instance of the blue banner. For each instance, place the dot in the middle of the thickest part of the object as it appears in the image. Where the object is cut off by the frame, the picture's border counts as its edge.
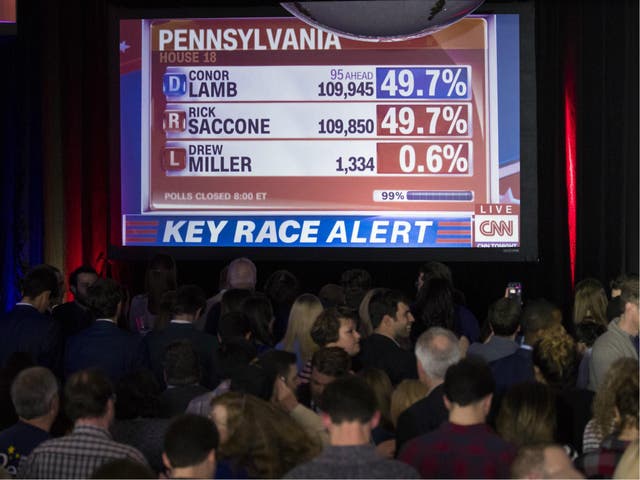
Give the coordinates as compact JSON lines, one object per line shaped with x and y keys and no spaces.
{"x":299,"y":231}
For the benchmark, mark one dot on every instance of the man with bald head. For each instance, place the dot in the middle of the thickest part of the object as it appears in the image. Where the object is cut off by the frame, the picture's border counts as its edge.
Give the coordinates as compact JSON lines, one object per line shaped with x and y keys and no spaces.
{"x":436,"y":350}
{"x":241,"y":274}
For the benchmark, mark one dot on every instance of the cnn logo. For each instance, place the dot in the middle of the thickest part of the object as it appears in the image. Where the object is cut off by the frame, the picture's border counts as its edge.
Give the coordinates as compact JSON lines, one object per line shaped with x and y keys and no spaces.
{"x":496,"y":228}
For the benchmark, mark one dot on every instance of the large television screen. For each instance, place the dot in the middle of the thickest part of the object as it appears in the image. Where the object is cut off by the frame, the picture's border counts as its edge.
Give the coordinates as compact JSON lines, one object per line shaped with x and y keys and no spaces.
{"x":268,"y":133}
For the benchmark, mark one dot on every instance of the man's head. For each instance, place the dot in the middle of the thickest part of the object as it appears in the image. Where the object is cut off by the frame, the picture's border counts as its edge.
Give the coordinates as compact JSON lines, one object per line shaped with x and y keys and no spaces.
{"x":190,"y":301}
{"x":504,"y":316}
{"x":104,"y":298}
{"x":282,"y":287}
{"x":537,"y":316}
{"x":89,"y":395}
{"x":233,"y":299}
{"x":629,"y":298}
{"x":331,"y":295}
{"x":190,"y":444}
{"x":34,"y":394}
{"x":79,"y":282}
{"x":336,"y":327}
{"x":347,"y":400}
{"x":390,"y":313}
{"x":181,"y":365}
{"x":436,"y":350}
{"x":469,"y":385}
{"x":40,"y":287}
{"x":242,"y":273}
{"x":124,"y":468}
{"x":233,"y":325}
{"x":281,"y":364}
{"x":327,"y":364}
{"x":543,"y":461}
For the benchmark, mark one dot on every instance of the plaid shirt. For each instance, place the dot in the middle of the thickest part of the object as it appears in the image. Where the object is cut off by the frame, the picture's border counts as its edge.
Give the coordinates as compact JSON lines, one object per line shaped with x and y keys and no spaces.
{"x":457,"y":451}
{"x":602,"y":463}
{"x":76,"y":455}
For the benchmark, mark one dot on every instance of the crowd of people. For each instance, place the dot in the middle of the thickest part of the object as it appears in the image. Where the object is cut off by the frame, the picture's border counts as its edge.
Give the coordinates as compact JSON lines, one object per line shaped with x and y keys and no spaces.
{"x":352,"y":381}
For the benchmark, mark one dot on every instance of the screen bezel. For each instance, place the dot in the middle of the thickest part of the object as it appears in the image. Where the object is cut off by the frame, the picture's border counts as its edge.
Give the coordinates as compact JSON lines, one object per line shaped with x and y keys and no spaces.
{"x":527,"y":252}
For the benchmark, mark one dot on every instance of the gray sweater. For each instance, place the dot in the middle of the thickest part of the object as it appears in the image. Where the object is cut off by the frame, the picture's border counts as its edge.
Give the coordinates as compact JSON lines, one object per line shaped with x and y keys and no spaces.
{"x":610,"y":346}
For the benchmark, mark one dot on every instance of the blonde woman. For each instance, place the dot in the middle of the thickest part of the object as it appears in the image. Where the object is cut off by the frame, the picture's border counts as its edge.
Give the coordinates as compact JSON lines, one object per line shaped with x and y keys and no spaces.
{"x":407,"y":393}
{"x":304,"y":311}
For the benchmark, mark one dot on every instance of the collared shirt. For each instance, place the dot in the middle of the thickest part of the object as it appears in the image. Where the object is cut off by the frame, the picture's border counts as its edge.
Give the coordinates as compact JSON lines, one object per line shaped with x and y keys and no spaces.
{"x":76,"y":455}
{"x":105,"y":320}
{"x":496,"y":348}
{"x":26,"y":304}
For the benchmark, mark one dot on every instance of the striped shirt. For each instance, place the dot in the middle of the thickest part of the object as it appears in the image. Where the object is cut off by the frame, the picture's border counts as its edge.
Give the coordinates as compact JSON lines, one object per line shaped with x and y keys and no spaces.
{"x":76,"y":455}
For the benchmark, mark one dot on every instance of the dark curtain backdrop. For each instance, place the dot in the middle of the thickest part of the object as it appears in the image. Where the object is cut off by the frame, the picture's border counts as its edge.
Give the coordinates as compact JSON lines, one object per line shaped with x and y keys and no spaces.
{"x":63,"y":96}
{"x":607,"y":138}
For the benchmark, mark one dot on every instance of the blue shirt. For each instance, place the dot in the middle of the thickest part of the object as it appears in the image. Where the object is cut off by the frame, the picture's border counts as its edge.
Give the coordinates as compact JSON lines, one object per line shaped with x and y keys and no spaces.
{"x":17,"y":442}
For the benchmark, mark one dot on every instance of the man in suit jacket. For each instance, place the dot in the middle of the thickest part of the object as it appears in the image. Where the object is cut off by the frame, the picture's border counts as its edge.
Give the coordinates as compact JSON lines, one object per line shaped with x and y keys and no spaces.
{"x":436,"y":350}
{"x":188,"y":303}
{"x":104,"y":345}
{"x":28,"y":327}
{"x":75,"y":316}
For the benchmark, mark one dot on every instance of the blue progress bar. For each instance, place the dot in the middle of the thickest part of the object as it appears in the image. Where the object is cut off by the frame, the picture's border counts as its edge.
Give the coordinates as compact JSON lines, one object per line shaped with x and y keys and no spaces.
{"x":435,"y":196}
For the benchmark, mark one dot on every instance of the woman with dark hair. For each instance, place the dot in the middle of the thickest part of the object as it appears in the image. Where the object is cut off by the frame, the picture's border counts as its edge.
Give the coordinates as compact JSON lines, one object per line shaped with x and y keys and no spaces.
{"x":282,"y":288}
{"x":364,"y":327}
{"x":590,"y":302}
{"x":435,"y":306}
{"x":257,"y":308}
{"x":160,"y":277}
